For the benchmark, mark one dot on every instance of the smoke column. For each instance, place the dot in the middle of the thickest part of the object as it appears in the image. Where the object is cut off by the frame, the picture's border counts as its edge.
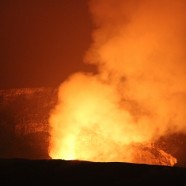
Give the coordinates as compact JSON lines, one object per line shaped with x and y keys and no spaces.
{"x":139,"y":92}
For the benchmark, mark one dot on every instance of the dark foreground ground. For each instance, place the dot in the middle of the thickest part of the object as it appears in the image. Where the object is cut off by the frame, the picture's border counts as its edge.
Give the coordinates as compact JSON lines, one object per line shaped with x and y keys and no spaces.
{"x":59,"y":172}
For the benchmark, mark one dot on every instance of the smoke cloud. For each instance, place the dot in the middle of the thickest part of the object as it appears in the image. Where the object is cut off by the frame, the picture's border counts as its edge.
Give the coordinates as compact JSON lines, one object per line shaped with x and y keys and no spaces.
{"x":139,"y":92}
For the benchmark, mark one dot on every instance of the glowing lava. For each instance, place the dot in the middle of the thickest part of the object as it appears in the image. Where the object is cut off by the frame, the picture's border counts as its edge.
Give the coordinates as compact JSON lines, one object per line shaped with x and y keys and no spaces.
{"x":119,"y":113}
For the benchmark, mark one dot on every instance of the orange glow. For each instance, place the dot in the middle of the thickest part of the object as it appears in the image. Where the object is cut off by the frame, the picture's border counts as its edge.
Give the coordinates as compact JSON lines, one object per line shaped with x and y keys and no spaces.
{"x":92,"y":125}
{"x":120,"y":113}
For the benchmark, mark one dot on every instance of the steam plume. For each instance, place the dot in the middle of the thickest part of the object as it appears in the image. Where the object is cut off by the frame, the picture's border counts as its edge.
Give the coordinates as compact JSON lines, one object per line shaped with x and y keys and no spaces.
{"x":140,"y":45}
{"x":139,"y":93}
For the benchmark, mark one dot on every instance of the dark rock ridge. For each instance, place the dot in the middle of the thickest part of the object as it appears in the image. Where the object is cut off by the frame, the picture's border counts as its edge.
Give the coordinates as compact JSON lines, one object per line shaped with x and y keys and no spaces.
{"x":59,"y":172}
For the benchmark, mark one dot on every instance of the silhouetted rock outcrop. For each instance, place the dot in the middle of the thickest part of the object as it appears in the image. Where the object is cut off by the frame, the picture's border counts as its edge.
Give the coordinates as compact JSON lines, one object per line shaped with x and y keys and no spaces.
{"x":59,"y":172}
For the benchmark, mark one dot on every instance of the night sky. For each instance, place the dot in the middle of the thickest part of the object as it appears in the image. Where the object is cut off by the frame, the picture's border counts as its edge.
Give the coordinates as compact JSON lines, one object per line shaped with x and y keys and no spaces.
{"x":42,"y":41}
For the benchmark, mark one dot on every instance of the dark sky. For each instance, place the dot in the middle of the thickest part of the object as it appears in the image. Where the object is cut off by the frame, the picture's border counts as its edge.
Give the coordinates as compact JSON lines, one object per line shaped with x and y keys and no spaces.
{"x":42,"y":41}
